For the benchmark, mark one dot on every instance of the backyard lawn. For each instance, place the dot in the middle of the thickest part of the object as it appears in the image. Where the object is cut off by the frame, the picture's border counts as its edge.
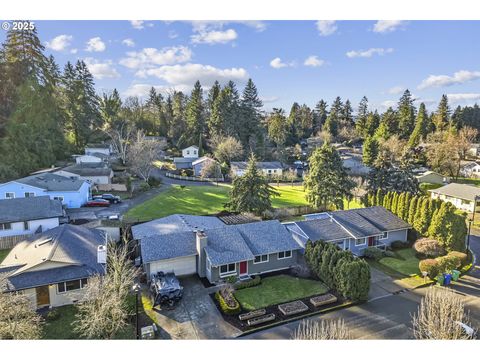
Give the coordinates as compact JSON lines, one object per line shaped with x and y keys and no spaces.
{"x":278,"y":289}
{"x":3,"y":254}
{"x":406,"y":263}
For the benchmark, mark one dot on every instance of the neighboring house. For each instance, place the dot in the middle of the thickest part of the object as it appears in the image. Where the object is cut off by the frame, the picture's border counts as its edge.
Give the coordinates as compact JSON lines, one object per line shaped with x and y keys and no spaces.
{"x":199,"y":164}
{"x":474,"y":150}
{"x":470,"y":170}
{"x":105,"y":149}
{"x":189,"y":155}
{"x":354,"y":230}
{"x":72,"y":192}
{"x":24,"y":216}
{"x":94,"y":173}
{"x":190,"y":152}
{"x":462,"y":196}
{"x":432,"y":177}
{"x":203,"y":245}
{"x":354,"y":164}
{"x":53,"y":268}
{"x":269,"y":168}
{"x":92,"y":158}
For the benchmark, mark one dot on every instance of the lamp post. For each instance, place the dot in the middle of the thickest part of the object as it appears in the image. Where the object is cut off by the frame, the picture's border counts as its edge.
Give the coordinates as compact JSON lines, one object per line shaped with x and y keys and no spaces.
{"x":136,"y":290}
{"x":468,"y":238}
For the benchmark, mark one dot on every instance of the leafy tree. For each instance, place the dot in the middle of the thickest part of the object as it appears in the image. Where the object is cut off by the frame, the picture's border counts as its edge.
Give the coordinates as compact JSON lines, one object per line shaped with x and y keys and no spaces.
{"x":227,"y":149}
{"x":251,"y":192}
{"x":327,"y":182}
{"x":110,"y":108}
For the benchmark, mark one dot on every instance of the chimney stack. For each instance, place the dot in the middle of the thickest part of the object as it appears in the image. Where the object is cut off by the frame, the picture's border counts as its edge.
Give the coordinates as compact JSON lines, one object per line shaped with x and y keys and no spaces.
{"x":102,"y":254}
{"x":201,"y":242}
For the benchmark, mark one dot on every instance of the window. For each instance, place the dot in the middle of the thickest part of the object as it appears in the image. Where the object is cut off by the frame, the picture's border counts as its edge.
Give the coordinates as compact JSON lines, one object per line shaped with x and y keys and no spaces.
{"x":26,"y":226}
{"x":6,"y":226}
{"x":188,"y":152}
{"x":384,"y":235}
{"x":29,"y":194}
{"x":360,"y":242}
{"x":260,"y":259}
{"x":58,"y":198}
{"x":269,"y":171}
{"x":275,"y":171}
{"x":71,"y":285}
{"x":285,"y":254}
{"x":9,"y":195}
{"x":228,"y":269}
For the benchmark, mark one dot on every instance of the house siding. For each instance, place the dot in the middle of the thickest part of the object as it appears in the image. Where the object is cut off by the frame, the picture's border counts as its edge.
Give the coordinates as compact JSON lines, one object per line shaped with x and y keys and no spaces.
{"x":19,"y":229}
{"x":461,"y":204}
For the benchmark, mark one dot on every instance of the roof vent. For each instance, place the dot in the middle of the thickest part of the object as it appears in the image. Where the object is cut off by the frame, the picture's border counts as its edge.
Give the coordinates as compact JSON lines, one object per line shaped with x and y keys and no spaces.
{"x":43,"y":242}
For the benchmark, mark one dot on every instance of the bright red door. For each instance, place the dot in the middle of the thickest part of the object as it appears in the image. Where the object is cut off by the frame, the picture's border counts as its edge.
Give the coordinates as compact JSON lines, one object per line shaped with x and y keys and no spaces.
{"x":243,"y":267}
{"x":371,"y":241}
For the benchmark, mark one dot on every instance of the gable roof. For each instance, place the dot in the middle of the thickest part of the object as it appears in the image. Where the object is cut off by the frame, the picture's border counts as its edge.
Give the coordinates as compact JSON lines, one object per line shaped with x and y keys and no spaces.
{"x":168,"y":246}
{"x":30,"y":208}
{"x":202,"y":159}
{"x":265,"y":165}
{"x":74,"y":246}
{"x":190,"y":147}
{"x":322,"y":229}
{"x":89,"y":169}
{"x":52,"y":182}
{"x":182,"y":160}
{"x":97,"y":146}
{"x":226,"y":245}
{"x":459,"y":191}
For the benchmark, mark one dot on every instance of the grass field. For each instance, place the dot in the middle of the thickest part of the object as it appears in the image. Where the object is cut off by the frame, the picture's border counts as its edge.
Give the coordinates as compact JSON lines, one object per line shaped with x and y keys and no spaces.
{"x":405,"y":263}
{"x":203,"y":200}
{"x":278,"y":289}
{"x":3,"y":254}
{"x":470,"y":181}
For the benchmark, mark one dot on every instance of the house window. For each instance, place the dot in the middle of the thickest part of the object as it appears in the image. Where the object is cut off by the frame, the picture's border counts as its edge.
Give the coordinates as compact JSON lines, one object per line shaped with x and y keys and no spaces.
{"x":9,"y":195}
{"x":188,"y":152}
{"x":360,"y":242}
{"x":71,"y":285}
{"x":260,"y":259}
{"x":26,"y":226}
{"x":269,"y":171}
{"x":228,"y":269}
{"x":285,"y":254}
{"x":274,"y":171}
{"x":5,"y":226}
{"x":384,"y":235}
{"x":29,"y":194}
{"x":58,"y":198}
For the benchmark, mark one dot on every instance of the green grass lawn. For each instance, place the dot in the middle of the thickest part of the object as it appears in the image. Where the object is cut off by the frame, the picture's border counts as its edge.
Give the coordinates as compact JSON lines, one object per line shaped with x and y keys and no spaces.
{"x":203,"y":200}
{"x":277,"y":290}
{"x":405,"y":263}
{"x":3,"y":254}
{"x":470,"y":181}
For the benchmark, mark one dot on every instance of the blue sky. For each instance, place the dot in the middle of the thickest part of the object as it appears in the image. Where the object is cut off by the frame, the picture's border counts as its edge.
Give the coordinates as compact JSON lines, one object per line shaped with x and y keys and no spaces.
{"x":301,"y":61}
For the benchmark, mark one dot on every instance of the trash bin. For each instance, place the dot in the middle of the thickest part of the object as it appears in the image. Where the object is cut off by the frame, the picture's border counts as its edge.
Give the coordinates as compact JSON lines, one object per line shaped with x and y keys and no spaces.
{"x":440,"y":280}
{"x":448,"y":279}
{"x":455,"y":275}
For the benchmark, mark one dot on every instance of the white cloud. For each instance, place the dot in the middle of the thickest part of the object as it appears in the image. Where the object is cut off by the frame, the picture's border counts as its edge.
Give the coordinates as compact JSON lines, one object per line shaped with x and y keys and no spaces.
{"x":60,"y":43}
{"x":313,"y":61}
{"x":458,"y":77}
{"x":214,"y":37}
{"x":172,"y":34}
{"x":464,"y":98}
{"x":73,"y":51}
{"x":207,"y":25}
{"x":388,"y":103}
{"x":101,"y":70}
{"x":269,"y":99}
{"x":128,"y":42}
{"x":277,"y":63}
{"x":188,"y":74}
{"x":151,"y":57}
{"x":396,"y":90}
{"x":326,"y":27}
{"x":140,"y":24}
{"x":95,"y":45}
{"x":386,"y":26}
{"x":368,"y":53}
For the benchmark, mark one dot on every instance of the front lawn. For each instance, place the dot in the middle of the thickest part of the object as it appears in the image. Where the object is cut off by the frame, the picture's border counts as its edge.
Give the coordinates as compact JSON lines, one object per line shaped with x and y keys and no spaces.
{"x":277,"y":290}
{"x":405,"y":262}
{"x":3,"y":254}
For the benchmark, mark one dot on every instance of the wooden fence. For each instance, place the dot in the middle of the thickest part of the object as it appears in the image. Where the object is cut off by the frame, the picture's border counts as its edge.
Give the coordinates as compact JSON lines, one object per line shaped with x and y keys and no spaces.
{"x":193,"y":178}
{"x":9,"y":242}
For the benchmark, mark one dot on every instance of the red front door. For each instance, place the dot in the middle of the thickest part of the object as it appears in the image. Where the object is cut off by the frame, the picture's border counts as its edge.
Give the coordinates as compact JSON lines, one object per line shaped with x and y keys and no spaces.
{"x":371,"y":241}
{"x":243,"y":267}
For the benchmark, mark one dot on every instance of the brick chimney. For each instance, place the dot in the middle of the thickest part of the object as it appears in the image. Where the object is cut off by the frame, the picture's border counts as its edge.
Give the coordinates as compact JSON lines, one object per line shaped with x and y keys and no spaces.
{"x":201,"y":242}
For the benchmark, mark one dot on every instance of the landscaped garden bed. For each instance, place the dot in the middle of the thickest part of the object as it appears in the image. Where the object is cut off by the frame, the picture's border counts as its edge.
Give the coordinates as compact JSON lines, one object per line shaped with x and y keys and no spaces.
{"x":323,"y":300}
{"x":293,"y":308}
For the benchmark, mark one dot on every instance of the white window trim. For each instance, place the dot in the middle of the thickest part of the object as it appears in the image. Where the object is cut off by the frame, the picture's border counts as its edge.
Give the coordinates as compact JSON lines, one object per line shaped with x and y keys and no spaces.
{"x":228,"y":273}
{"x":61,"y":198}
{"x":3,"y":226}
{"x":31,"y":194}
{"x":262,"y":261}
{"x":65,"y":286}
{"x":284,"y":255}
{"x":362,"y":244}
{"x":9,"y":192}
{"x":384,"y":235}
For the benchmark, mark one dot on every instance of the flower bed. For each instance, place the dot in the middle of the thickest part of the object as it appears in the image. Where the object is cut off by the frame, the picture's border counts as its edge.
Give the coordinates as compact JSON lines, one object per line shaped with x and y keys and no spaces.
{"x":261,"y":319}
{"x":252,"y":314}
{"x":323,"y":300}
{"x":228,"y":304}
{"x":292,"y":308}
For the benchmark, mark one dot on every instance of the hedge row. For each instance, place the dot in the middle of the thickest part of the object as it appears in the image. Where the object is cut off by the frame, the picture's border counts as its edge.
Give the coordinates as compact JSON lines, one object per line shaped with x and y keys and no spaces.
{"x":339,"y":269}
{"x":443,"y":264}
{"x":256,"y":280}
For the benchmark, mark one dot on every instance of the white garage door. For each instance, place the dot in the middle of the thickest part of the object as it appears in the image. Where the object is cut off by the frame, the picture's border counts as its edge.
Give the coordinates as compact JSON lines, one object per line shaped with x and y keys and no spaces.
{"x":180,"y":266}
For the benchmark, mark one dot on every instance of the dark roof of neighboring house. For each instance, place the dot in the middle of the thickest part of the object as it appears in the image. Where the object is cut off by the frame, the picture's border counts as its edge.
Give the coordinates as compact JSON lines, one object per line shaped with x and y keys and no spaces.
{"x":52,"y":182}
{"x":242,"y":165}
{"x":30,"y":208}
{"x":183,"y":160}
{"x":460,"y":191}
{"x":168,"y":246}
{"x":89,"y":169}
{"x":74,"y":246}
{"x":226,"y":245}
{"x":97,"y":154}
{"x":322,"y":229}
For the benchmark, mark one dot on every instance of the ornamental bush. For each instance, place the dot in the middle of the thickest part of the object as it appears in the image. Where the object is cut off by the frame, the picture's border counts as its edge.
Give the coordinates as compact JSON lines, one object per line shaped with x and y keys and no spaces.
{"x":448,"y":263}
{"x":460,"y":256}
{"x":256,"y":280}
{"x":228,"y":304}
{"x":373,"y":253}
{"x":353,"y":279}
{"x":430,"y":266}
{"x":428,"y":248}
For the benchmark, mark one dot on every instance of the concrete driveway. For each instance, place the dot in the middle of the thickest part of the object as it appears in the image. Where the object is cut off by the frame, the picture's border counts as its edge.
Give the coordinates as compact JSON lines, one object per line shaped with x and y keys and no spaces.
{"x":195,"y":317}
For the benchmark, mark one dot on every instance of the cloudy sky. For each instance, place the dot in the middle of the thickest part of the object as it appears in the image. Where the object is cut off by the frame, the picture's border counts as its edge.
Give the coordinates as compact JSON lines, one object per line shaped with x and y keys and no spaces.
{"x":301,"y":61}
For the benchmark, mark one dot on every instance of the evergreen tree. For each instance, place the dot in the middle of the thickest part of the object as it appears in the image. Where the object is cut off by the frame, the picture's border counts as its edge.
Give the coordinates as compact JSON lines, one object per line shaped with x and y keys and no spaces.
{"x":251,"y":117}
{"x":320,"y":115}
{"x":387,"y":200}
{"x":394,"y":206}
{"x":277,"y":127}
{"x":441,"y":117}
{"x":110,"y":108}
{"x":195,"y":115}
{"x":178,"y":127}
{"x":251,"y":192}
{"x":361,"y":119}
{"x":327,"y":182}
{"x":348,"y":113}
{"x":331,"y":124}
{"x":372,"y":124}
{"x":406,"y":115}
{"x":422,"y":221}
{"x":421,"y":127}
{"x":379,"y":198}
{"x":370,"y":150}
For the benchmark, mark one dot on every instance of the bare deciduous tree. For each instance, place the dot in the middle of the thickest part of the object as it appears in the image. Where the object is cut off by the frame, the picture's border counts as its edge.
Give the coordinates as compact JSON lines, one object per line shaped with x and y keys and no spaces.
{"x":211,"y":170}
{"x":439,"y":315}
{"x":322,"y":330}
{"x":121,"y":137}
{"x":227,"y":149}
{"x":18,"y":319}
{"x":141,"y":155}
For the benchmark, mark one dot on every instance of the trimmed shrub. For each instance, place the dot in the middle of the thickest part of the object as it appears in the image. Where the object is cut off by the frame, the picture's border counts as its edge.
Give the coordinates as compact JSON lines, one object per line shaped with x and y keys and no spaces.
{"x":430,"y":266}
{"x":460,"y":256}
{"x":389,"y":253}
{"x":448,"y":263}
{"x":398,"y":244}
{"x":354,"y":279}
{"x":373,"y":253}
{"x":228,"y":304}
{"x":428,"y":248}
{"x":248,"y":283}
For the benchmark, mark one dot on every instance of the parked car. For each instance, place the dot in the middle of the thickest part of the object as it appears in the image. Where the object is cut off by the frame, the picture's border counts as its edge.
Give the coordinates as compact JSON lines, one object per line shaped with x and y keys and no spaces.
{"x":113,"y":199}
{"x":165,"y":289}
{"x":97,"y":202}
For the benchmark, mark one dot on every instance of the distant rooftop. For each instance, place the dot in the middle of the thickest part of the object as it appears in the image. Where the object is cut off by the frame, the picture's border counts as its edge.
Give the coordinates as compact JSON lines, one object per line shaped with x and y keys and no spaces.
{"x":30,"y":208}
{"x":52,"y":182}
{"x":459,"y":191}
{"x":265,"y":165}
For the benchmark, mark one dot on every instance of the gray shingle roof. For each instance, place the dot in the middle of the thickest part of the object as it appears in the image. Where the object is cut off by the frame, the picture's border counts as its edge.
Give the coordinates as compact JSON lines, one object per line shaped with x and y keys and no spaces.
{"x":183,"y":160}
{"x":242,"y":165}
{"x":89,"y":169}
{"x":31,"y":208}
{"x":226,"y":245}
{"x":460,"y":191}
{"x":75,"y":246}
{"x":322,"y":229}
{"x":52,"y":182}
{"x":168,"y":246}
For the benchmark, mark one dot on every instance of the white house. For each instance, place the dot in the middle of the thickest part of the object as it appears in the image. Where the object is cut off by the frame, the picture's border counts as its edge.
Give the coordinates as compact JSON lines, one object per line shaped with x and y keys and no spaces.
{"x":268,"y":168}
{"x":94,"y":158}
{"x":105,"y":149}
{"x":189,"y":155}
{"x":190,"y":152}
{"x":470,"y":169}
{"x":200,"y":163}
{"x":94,"y":173}
{"x":462,"y":196}
{"x":25,"y":216}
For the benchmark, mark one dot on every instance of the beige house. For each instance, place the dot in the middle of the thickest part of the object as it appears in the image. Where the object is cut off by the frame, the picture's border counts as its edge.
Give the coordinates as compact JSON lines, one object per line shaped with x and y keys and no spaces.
{"x":432,"y":177}
{"x":53,"y":268}
{"x":462,"y":196}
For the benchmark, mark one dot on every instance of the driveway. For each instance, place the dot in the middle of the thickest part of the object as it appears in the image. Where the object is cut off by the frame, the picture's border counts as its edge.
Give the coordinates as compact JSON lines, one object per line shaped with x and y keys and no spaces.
{"x":195,"y":317}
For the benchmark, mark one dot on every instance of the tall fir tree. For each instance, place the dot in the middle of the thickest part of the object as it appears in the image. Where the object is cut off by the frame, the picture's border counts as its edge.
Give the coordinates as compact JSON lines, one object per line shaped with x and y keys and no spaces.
{"x":370,"y":150}
{"x":195,"y":116}
{"x":251,"y":117}
{"x":422,"y":127}
{"x":406,"y":115}
{"x":441,"y":117}
{"x":320,"y":115}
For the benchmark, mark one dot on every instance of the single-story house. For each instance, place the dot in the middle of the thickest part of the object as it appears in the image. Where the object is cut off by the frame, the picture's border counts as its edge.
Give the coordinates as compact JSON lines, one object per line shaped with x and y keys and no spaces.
{"x":354,"y":164}
{"x":24,"y":216}
{"x":269,"y":168}
{"x":94,"y":173}
{"x":432,"y":177}
{"x":53,"y":268}
{"x":203,"y":245}
{"x":199,"y":164}
{"x":189,"y":155}
{"x":470,"y":169}
{"x":354,"y":230}
{"x":92,"y":158}
{"x":462,"y":196}
{"x":190,"y":152}
{"x":105,"y":149}
{"x":474,"y":150}
{"x":72,"y":192}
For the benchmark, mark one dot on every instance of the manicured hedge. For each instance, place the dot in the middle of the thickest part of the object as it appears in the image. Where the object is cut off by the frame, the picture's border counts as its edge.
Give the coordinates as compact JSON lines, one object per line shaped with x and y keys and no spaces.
{"x":460,"y":256}
{"x":256,"y":280}
{"x":226,"y":308}
{"x":430,"y":266}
